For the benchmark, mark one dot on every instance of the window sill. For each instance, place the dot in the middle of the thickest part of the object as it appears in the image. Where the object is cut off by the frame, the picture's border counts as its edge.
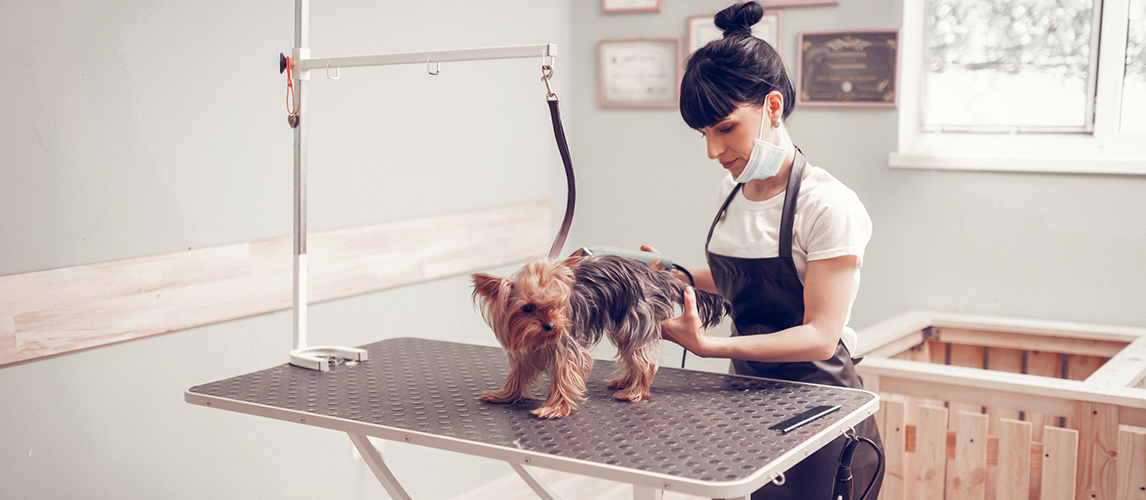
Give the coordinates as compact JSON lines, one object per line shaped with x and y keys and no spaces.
{"x":1031,"y":164}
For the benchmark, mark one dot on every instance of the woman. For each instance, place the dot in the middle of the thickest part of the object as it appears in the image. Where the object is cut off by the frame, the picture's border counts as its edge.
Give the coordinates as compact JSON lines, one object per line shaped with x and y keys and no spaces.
{"x":785,"y":247}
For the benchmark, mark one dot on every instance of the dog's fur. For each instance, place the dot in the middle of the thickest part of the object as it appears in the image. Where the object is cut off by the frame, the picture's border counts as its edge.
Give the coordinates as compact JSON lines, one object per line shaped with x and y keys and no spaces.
{"x":550,"y":313}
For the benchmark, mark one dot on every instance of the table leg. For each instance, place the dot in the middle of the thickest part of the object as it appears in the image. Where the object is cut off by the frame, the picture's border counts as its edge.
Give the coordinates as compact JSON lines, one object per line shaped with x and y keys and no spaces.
{"x":374,"y":460}
{"x":534,"y":482}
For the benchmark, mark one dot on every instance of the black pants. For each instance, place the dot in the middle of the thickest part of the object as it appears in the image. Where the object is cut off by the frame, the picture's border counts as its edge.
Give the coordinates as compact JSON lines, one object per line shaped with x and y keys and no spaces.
{"x":814,"y":477}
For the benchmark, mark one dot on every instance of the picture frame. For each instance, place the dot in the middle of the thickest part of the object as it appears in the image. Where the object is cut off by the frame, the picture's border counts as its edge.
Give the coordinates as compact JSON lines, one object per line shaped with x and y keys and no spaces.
{"x":702,"y":29}
{"x":615,"y":6}
{"x":642,"y":72}
{"x":848,"y":68}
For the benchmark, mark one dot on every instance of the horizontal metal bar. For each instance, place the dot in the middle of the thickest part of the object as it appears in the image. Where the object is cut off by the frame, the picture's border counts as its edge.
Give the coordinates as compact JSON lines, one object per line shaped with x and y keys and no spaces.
{"x":478,"y":54}
{"x":1006,"y":129}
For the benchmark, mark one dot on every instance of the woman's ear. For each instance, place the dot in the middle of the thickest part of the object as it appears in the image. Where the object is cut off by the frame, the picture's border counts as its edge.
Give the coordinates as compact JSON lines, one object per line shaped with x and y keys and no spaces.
{"x":774,"y":107}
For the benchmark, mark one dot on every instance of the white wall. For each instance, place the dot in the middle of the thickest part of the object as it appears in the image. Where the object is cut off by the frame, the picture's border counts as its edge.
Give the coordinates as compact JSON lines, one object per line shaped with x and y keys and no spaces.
{"x":143,"y":127}
{"x":1063,"y":247}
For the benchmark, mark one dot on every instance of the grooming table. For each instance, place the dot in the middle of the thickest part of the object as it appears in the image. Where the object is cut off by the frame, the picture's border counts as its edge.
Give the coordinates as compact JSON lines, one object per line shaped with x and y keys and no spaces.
{"x":703,"y":434}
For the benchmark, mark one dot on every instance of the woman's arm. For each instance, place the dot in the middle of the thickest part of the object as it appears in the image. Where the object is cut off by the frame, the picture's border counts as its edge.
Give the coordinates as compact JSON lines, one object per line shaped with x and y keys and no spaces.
{"x":827,"y":296}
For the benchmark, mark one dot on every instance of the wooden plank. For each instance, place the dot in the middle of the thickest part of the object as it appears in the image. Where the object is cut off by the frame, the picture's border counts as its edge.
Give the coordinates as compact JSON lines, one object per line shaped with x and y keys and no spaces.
{"x":8,"y":350}
{"x":1043,"y":364}
{"x":970,"y":356}
{"x":1131,"y":463}
{"x":1006,"y":390}
{"x":1014,"y":460}
{"x":891,"y":330}
{"x":893,"y":434}
{"x":930,"y":452}
{"x":1097,"y":448}
{"x":1034,"y":326}
{"x":1060,"y":460}
{"x":1125,"y":369}
{"x":969,"y":478}
{"x":1082,"y":367}
{"x":897,"y":347}
{"x":993,"y":447}
{"x":1003,"y":360}
{"x":1021,"y":341}
{"x":57,"y":311}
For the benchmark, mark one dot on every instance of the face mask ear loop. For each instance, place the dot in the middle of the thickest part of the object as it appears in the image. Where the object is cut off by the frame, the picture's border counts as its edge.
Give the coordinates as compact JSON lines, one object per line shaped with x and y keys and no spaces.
{"x":763,"y":115}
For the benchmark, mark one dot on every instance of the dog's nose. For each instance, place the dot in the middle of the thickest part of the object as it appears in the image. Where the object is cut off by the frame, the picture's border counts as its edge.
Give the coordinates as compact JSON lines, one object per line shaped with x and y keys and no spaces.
{"x":547,"y":326}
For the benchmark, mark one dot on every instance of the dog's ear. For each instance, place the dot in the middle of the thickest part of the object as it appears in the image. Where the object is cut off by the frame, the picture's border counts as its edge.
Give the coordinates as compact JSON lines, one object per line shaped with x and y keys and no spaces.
{"x":488,"y":286}
{"x":573,"y":260}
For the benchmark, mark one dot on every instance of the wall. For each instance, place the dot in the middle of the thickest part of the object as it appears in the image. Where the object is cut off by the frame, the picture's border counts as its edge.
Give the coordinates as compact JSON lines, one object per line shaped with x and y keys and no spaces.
{"x":1064,"y":247}
{"x":146,"y":127}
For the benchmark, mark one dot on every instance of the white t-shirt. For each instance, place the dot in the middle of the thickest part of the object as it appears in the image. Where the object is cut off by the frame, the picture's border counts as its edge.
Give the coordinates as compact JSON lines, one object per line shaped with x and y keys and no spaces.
{"x":830,"y":222}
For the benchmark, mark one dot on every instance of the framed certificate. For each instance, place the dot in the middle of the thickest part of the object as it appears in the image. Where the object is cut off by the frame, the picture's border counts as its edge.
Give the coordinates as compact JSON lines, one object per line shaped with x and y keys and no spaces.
{"x":847,"y":68}
{"x":611,"y":6}
{"x":639,"y":73}
{"x":702,"y":29}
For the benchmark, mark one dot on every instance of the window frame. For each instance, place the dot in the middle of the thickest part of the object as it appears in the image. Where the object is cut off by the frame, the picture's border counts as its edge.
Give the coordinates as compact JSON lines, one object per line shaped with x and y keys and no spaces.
{"x":1103,"y":149}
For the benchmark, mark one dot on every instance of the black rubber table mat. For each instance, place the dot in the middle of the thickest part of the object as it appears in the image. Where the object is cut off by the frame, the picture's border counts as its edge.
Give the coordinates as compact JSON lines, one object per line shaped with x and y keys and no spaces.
{"x":698,"y":425}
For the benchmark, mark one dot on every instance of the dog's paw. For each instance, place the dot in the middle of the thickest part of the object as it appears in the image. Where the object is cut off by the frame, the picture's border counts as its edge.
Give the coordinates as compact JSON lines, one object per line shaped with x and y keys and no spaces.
{"x":617,"y":383}
{"x":555,"y":411}
{"x":632,"y":395}
{"x":500,"y":396}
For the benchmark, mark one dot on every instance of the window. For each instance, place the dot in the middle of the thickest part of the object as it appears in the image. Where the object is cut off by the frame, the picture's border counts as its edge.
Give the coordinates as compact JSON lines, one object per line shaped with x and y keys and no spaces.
{"x":1134,"y":84}
{"x":1026,"y":85}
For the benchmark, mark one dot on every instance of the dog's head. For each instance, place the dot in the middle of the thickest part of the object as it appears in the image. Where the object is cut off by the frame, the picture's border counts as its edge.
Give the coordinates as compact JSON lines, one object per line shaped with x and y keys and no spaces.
{"x":528,"y":309}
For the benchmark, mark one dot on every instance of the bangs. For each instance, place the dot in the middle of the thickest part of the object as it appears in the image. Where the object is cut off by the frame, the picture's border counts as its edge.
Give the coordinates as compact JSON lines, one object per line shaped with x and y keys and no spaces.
{"x":702,"y":104}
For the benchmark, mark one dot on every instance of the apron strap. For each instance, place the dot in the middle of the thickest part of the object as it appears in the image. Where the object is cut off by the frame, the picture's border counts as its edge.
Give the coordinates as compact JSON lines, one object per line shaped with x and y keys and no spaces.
{"x":787,"y":218}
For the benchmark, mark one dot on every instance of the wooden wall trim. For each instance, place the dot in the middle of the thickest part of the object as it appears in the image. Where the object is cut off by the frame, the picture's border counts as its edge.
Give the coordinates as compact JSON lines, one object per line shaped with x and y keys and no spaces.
{"x":57,"y":311}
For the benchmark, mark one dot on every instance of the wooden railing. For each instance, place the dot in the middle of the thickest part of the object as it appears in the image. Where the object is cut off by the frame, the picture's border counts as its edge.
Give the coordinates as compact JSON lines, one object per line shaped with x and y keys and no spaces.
{"x":57,"y":311}
{"x":988,"y":408}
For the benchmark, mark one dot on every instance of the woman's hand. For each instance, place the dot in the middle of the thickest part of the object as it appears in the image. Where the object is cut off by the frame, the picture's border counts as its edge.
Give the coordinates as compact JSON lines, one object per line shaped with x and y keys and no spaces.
{"x":656,"y":264}
{"x":687,"y":329}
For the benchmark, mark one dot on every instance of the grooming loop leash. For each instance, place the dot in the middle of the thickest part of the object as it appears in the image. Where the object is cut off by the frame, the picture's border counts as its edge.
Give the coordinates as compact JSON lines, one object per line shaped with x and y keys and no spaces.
{"x":286,"y":65}
{"x":563,"y":148}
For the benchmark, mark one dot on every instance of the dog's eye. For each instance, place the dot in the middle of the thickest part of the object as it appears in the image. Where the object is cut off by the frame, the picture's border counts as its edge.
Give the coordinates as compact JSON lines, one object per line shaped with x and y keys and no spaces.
{"x":527,"y":308}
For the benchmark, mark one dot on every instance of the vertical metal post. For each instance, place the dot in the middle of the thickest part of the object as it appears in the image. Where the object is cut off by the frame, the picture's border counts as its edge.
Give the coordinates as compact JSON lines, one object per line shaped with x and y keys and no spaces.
{"x":315,"y":358}
{"x":301,"y":26}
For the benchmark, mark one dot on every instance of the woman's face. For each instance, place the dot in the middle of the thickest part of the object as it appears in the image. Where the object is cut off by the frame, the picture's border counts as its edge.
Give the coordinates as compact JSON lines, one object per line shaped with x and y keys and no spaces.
{"x":730,"y":140}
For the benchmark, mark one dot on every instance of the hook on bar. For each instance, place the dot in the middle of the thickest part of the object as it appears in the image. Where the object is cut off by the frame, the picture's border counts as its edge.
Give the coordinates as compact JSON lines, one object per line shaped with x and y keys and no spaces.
{"x":546,"y":74}
{"x":337,"y":72}
{"x":437,"y":69}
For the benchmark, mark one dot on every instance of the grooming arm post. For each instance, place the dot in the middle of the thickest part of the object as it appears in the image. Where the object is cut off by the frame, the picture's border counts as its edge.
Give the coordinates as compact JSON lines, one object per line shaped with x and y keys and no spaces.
{"x":315,"y":358}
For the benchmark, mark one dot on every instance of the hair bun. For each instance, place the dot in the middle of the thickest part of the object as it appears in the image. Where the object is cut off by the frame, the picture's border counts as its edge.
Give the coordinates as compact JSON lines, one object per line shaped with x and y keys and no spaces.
{"x":737,"y":20}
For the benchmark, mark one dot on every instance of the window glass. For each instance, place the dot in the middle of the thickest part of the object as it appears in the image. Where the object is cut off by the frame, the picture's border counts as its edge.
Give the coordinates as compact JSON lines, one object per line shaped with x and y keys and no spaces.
{"x":1134,"y":86}
{"x":1008,"y":63}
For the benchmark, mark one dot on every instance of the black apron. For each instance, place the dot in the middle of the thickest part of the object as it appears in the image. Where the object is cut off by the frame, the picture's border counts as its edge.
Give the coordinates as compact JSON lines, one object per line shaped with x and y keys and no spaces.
{"x":767,"y":296}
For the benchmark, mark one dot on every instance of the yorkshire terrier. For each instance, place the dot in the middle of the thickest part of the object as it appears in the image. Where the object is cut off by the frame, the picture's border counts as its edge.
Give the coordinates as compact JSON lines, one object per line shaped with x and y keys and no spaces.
{"x":551,"y":312}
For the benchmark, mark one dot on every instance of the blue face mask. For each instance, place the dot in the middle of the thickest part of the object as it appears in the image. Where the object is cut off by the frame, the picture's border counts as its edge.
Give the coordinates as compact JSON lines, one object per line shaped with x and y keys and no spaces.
{"x":765,"y":159}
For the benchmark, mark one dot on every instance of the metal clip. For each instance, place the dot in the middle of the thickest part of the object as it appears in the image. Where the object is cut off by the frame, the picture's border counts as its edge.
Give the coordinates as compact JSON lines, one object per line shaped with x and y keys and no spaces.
{"x":546,"y":74}
{"x":779,"y":480}
{"x":437,"y":69}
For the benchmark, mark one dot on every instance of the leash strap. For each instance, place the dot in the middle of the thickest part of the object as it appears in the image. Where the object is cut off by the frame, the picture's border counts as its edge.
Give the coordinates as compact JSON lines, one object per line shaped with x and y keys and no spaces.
{"x":563,"y":147}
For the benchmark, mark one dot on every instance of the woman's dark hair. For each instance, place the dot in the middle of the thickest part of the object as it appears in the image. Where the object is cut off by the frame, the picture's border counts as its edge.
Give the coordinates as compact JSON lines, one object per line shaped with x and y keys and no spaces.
{"x":734,"y":70}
